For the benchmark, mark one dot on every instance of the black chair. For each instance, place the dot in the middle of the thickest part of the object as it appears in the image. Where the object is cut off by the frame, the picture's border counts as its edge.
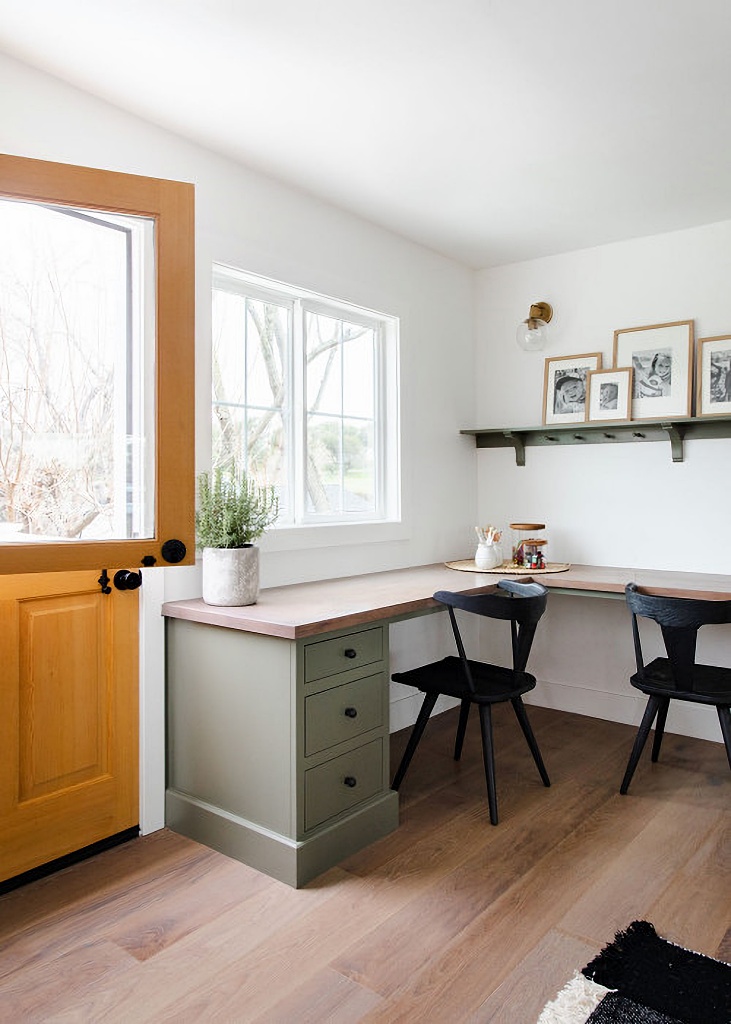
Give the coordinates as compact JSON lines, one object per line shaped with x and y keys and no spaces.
{"x":676,"y":677}
{"x":475,"y":682}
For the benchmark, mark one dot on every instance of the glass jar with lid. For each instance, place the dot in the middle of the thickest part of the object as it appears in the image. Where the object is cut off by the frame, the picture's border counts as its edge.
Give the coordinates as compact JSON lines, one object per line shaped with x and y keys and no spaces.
{"x":529,"y":545}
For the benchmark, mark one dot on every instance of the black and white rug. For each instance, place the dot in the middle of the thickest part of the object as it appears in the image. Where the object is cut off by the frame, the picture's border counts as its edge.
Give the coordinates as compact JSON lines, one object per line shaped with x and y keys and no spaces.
{"x":640,"y":978}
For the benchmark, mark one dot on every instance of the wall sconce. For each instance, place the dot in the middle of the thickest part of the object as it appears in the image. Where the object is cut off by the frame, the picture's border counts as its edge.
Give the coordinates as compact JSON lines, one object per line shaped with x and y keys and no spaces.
{"x":532,"y":333}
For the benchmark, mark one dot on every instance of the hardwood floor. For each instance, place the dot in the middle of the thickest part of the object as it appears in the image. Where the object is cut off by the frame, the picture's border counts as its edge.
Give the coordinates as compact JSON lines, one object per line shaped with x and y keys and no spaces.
{"x":447,"y":920}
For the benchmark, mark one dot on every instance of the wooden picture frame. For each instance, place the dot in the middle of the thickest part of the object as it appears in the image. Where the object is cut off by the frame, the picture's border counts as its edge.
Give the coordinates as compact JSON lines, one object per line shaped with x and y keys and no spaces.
{"x":713,"y":376}
{"x":609,"y":394}
{"x":661,"y":356}
{"x":565,"y":387}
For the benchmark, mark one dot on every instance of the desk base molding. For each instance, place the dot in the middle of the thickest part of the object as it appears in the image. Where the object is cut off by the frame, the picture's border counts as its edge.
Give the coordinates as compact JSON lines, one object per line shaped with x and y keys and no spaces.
{"x":287,"y":860}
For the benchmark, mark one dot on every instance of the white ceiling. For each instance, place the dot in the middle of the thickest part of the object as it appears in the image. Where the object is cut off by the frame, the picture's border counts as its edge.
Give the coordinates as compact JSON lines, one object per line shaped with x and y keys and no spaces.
{"x":489,"y":130}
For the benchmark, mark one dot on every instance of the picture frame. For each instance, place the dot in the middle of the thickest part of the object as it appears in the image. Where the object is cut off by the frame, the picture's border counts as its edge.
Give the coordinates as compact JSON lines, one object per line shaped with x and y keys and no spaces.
{"x":661,"y":357}
{"x":713,"y":376}
{"x":565,"y":387}
{"x":610,"y":394}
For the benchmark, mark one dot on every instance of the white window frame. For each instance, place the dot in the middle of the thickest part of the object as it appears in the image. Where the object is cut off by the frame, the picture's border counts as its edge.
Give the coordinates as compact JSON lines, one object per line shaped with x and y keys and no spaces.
{"x":299,"y":302}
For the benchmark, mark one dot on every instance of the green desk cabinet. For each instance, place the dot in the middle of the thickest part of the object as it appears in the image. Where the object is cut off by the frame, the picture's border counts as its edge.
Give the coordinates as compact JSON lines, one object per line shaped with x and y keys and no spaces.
{"x":277,"y":748}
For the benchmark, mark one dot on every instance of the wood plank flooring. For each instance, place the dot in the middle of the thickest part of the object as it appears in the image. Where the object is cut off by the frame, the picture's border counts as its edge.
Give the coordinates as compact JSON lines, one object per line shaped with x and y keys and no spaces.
{"x":447,"y":920}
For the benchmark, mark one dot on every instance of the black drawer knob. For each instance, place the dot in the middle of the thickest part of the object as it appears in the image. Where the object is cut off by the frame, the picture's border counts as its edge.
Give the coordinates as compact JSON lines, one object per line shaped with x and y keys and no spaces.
{"x":349,"y":652}
{"x":350,"y":781}
{"x":351,"y":712}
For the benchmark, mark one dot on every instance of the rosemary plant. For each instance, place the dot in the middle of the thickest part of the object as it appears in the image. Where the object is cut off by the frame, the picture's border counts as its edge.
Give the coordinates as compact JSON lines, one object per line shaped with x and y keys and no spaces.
{"x":233,"y":511}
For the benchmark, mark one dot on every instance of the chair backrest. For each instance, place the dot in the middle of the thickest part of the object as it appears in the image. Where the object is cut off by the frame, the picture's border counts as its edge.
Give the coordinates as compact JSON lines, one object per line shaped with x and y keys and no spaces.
{"x":522,"y":604}
{"x":679,"y":619}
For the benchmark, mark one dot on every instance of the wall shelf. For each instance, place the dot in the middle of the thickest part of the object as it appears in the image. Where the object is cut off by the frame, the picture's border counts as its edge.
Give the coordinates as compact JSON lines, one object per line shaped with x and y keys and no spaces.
{"x":674,"y":431}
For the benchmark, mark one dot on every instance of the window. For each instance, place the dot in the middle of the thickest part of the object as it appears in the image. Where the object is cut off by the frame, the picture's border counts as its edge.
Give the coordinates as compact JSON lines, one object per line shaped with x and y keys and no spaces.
{"x":305,"y":397}
{"x":76,"y":376}
{"x":97,"y":344}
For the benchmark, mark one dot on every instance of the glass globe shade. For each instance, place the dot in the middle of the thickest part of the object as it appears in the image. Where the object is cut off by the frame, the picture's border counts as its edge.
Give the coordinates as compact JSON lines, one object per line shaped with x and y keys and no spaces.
{"x":532,"y":334}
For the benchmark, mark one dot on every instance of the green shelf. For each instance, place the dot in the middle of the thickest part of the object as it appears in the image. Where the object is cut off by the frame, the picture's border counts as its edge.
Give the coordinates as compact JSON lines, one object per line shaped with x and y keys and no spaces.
{"x":674,"y":431}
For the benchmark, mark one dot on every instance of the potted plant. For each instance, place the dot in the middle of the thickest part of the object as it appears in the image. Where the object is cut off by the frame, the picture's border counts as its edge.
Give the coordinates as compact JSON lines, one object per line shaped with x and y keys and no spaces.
{"x":233,"y":513}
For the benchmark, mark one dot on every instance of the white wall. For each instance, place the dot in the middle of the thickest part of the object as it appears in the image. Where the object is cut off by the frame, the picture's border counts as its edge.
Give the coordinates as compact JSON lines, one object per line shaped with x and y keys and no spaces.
{"x":252,"y":222}
{"x":627,"y":504}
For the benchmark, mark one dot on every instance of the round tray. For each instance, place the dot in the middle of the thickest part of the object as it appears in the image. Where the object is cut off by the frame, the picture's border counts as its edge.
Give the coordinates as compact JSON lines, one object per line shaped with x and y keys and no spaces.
{"x":506,"y":569}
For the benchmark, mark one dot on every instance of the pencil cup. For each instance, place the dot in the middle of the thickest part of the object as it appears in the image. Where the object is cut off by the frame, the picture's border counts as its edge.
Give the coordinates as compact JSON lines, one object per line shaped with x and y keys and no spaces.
{"x":488,"y":556}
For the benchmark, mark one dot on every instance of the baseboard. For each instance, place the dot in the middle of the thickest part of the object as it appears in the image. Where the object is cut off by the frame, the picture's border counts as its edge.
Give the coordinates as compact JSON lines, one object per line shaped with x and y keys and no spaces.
{"x":404,"y":711}
{"x":684,"y":719}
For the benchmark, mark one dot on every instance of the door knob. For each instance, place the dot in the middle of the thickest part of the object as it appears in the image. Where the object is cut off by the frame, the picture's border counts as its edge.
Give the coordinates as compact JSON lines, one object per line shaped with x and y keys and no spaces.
{"x":127,"y":579}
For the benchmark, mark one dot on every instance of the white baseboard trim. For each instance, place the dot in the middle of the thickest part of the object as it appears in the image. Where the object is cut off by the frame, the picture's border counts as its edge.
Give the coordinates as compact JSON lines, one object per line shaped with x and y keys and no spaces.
{"x":404,"y":711}
{"x":684,"y":719}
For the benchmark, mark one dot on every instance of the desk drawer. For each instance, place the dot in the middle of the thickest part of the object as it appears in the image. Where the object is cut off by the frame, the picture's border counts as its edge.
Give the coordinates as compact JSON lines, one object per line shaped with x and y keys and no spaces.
{"x":340,"y":784}
{"x":328,"y":657}
{"x":343,"y":712}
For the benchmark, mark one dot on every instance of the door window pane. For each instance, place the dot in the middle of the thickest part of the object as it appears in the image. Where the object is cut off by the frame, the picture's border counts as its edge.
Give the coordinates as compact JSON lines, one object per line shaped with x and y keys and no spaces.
{"x":76,"y":381}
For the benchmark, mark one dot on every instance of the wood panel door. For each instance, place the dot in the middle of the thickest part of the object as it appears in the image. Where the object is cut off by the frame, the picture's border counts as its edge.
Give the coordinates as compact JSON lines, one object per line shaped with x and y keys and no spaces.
{"x":97,"y":283}
{"x":69,"y":723}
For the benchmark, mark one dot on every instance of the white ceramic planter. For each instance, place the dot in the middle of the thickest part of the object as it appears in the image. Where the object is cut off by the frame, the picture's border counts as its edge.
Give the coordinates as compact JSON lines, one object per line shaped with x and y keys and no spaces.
{"x":231,"y":575}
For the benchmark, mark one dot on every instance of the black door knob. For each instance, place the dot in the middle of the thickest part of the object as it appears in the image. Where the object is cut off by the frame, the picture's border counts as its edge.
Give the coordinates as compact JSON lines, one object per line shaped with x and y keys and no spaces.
{"x":351,"y":712}
{"x":350,"y":653}
{"x":127,"y":579}
{"x":350,"y":781}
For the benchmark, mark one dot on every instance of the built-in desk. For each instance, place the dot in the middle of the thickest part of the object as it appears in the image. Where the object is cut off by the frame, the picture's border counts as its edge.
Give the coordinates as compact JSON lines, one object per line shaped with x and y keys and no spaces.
{"x":278,"y":712}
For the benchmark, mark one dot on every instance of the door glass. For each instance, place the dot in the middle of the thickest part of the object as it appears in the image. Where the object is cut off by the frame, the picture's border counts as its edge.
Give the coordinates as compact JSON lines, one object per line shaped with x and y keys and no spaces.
{"x":77,"y":374}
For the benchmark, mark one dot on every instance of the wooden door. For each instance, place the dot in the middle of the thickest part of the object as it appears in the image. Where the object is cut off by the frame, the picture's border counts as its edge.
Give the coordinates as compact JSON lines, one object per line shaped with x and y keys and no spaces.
{"x":96,"y":470}
{"x":68,"y":729}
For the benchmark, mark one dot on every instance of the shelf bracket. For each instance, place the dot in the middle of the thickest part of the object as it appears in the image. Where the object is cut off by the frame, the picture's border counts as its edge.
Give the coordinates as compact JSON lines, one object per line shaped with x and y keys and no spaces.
{"x":518,"y":444}
{"x":676,"y":440}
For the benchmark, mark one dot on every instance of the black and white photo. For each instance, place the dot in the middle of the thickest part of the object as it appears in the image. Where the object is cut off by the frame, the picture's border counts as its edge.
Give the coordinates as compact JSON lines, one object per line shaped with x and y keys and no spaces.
{"x":565,"y":387}
{"x":713,"y":375}
{"x":661,"y":359}
{"x":610,"y":394}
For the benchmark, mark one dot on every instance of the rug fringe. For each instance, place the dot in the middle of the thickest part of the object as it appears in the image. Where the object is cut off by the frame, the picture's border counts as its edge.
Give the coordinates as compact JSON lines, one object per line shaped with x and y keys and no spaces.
{"x":663,"y":976}
{"x":574,"y":1002}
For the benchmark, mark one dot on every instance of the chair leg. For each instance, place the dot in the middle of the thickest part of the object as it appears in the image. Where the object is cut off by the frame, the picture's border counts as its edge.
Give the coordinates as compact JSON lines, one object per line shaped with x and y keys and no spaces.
{"x":653,"y":705}
{"x":427,"y":707}
{"x":464,"y":714}
{"x":489,"y":759}
{"x":522,"y":716}
{"x":662,"y":715}
{"x":724,"y":717}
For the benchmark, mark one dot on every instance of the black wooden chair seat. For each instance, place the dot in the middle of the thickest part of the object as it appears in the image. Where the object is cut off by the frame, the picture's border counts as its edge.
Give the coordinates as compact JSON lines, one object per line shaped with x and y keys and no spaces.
{"x":492,"y":683}
{"x":679,"y":676}
{"x":478,"y":682}
{"x":711,"y":683}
